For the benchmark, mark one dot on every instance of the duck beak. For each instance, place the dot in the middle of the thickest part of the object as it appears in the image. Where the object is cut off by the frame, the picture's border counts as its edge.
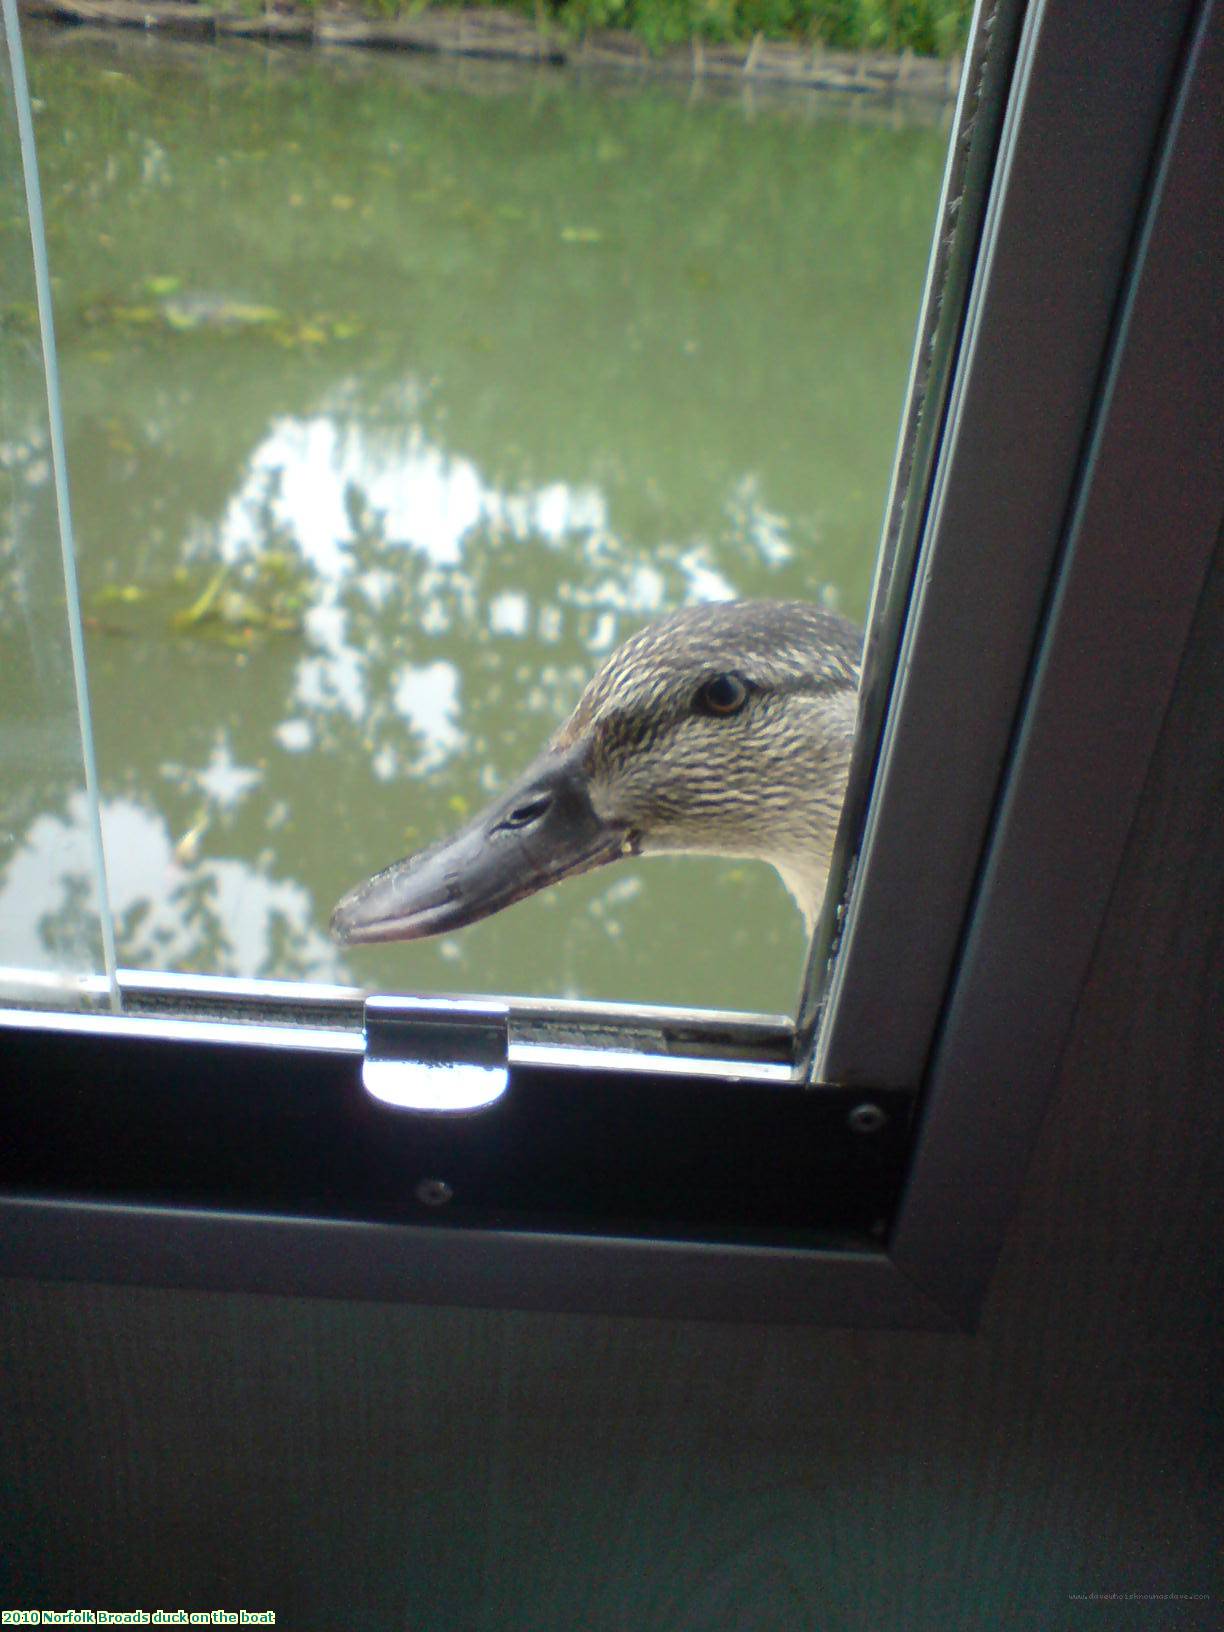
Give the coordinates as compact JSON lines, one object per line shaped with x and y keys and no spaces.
{"x":540,"y":831}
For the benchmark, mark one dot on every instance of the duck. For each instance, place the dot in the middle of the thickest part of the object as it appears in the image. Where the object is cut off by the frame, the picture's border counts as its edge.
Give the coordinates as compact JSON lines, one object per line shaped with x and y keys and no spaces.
{"x":723,"y":729}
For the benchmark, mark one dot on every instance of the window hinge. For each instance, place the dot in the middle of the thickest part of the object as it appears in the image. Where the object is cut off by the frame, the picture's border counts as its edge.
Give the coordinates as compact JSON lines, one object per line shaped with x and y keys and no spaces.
{"x":434,"y":1054}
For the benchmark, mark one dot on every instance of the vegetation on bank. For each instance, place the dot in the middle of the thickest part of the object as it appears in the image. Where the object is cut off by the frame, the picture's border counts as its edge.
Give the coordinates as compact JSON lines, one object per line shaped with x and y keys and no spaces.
{"x":932,"y":28}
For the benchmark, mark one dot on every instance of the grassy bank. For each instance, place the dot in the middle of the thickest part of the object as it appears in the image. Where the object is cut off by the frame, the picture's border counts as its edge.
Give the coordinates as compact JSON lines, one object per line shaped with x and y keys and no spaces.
{"x":934,"y":28}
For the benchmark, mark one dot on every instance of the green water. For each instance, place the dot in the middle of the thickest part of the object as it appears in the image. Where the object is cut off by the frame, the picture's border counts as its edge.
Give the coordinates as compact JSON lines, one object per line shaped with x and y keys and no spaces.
{"x":396,"y":393}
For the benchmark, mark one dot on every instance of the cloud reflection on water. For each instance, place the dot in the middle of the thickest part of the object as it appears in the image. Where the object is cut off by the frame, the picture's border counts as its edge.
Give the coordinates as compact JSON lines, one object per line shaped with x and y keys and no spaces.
{"x":219,"y":915}
{"x":428,"y":499}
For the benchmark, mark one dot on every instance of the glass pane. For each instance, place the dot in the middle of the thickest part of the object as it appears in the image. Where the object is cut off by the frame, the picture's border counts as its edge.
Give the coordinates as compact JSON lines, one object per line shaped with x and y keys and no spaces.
{"x":53,"y":932}
{"x":398,"y":393}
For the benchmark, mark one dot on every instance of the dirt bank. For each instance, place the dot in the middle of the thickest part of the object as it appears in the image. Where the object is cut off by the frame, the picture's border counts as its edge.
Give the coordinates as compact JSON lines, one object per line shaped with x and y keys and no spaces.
{"x":509,"y":35}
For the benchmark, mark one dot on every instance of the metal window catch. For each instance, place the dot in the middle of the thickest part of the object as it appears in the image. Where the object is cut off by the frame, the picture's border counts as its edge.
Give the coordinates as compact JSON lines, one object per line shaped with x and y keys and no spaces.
{"x":435,"y":1055}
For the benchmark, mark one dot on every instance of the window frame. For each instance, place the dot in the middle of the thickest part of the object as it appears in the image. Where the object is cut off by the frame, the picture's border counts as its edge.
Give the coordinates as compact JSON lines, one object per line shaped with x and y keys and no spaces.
{"x":1035,"y":346}
{"x":1064,"y":427}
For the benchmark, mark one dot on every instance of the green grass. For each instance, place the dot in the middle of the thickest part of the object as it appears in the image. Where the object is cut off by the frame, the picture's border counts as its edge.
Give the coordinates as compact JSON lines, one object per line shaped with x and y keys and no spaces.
{"x":928,"y":27}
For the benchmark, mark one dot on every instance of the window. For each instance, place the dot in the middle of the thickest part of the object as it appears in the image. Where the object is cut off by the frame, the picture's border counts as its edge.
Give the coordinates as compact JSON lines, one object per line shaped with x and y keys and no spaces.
{"x":383,"y":433}
{"x":833,"y":1169}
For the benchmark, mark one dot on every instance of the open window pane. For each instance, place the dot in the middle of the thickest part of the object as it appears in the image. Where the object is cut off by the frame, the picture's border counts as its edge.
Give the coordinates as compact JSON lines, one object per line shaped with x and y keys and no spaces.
{"x":397,"y":394}
{"x":53,"y":929}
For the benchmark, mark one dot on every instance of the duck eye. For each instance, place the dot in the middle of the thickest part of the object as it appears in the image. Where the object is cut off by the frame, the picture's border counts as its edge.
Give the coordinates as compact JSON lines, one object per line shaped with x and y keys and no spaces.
{"x":530,"y":811}
{"x":723,"y":695}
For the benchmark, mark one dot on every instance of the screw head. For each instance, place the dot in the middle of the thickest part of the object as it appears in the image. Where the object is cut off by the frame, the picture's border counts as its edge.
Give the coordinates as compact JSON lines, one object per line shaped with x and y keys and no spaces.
{"x":433,"y":1192}
{"x":866,"y":1118}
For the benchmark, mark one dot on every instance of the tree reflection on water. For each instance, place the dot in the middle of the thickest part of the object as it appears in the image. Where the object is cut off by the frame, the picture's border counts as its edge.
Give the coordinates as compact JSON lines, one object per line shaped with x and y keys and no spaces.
{"x":382,"y":433}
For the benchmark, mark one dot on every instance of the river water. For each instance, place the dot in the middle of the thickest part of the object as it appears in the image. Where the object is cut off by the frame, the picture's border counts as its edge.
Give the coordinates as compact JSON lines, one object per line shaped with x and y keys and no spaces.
{"x":397,"y":392}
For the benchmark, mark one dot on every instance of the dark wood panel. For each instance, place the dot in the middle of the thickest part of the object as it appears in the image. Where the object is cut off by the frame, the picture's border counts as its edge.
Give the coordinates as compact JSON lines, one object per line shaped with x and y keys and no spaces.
{"x":379,"y":1468}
